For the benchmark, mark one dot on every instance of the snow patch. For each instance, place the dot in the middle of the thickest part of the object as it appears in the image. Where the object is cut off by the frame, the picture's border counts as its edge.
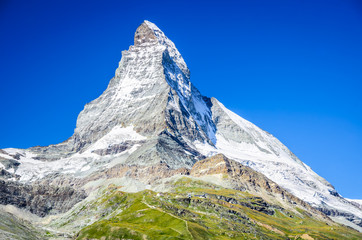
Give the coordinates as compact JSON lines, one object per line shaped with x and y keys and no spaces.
{"x":80,"y":164}
{"x":116,"y":136}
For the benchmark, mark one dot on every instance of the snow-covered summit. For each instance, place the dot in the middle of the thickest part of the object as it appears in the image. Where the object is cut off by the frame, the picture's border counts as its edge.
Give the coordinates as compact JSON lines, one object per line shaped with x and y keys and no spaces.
{"x":151,"y":84}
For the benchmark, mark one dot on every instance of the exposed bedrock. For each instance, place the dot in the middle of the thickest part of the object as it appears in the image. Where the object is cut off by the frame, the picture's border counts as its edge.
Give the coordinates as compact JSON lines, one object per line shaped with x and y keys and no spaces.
{"x":40,"y":199}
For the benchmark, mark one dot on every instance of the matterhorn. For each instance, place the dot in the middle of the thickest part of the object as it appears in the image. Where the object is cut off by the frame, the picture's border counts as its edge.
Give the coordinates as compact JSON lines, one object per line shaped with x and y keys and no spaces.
{"x":152,"y":158}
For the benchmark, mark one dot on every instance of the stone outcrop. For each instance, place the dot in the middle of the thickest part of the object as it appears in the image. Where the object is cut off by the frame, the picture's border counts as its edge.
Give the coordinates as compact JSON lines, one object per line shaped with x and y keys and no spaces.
{"x":335,"y":213}
{"x":144,"y":34}
{"x":244,"y":178}
{"x":38,"y":198}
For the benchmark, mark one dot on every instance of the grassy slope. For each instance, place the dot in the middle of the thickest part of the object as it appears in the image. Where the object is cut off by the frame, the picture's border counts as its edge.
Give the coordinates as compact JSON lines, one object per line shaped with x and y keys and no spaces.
{"x":13,"y":228}
{"x":150,"y":215}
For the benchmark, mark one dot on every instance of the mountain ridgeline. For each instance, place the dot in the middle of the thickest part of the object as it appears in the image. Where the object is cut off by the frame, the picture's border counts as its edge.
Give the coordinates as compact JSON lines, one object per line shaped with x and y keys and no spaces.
{"x":152,"y":158}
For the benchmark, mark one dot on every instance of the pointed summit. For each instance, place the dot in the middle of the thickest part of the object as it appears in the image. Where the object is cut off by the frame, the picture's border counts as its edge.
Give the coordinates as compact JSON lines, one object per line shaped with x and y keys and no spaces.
{"x":144,"y":34}
{"x":149,"y":33}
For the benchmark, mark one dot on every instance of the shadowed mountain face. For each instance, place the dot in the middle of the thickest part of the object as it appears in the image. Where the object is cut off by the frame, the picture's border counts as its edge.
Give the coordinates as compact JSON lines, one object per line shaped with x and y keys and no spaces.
{"x":151,"y":123}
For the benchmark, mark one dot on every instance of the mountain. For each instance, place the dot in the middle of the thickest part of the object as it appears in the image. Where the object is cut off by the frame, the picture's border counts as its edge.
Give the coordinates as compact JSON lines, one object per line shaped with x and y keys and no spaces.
{"x":153,"y":143}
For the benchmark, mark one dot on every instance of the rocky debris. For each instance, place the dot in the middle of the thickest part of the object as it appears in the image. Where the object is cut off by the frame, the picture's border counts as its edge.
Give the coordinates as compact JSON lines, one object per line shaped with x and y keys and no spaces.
{"x":39,"y":199}
{"x":207,"y":205}
{"x":224,"y":212}
{"x":145,"y":174}
{"x":335,"y":213}
{"x":256,"y":203}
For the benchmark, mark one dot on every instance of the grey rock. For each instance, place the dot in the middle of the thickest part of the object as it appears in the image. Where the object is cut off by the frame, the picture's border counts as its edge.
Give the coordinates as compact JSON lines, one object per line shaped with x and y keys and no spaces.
{"x":38,"y":198}
{"x":9,"y":163}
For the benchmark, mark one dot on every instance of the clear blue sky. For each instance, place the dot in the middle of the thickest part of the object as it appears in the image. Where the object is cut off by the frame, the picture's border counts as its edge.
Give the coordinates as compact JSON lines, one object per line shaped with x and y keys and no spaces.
{"x":294,"y":68}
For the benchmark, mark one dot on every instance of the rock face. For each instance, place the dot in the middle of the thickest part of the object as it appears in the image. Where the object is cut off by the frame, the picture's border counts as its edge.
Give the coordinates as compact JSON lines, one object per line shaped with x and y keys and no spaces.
{"x":246,"y":179}
{"x":151,"y":115}
{"x":144,"y":34}
{"x":40,"y":199}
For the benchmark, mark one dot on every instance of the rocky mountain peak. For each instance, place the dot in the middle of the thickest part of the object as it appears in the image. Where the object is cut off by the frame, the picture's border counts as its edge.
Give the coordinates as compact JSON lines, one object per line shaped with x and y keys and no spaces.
{"x":144,"y":34}
{"x":148,"y":32}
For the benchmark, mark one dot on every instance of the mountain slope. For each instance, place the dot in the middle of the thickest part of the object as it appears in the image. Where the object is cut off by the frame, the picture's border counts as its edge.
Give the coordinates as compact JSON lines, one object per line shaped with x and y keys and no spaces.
{"x":12,"y":227}
{"x":151,"y":116}
{"x":243,"y":141}
{"x":217,"y":198}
